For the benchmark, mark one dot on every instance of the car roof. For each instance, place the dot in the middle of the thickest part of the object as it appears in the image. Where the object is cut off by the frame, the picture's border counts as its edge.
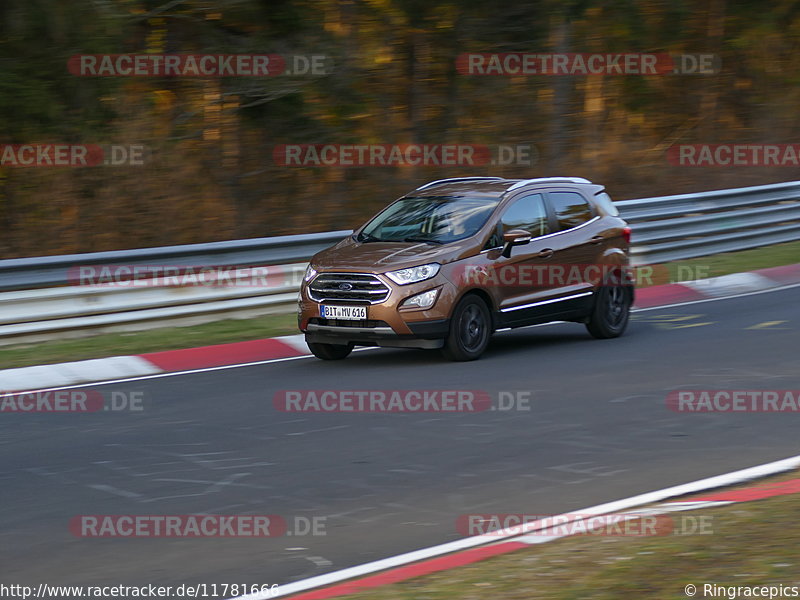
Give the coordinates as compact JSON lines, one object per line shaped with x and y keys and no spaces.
{"x":492,"y":186}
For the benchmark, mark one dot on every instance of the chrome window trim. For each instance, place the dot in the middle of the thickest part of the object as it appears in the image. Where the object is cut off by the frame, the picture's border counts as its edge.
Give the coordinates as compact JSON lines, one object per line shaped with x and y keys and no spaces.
{"x":542,"y":302}
{"x":547,"y":235}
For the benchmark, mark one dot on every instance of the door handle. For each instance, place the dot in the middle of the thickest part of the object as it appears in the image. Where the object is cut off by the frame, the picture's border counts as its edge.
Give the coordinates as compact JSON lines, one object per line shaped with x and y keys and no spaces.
{"x":598,"y":239}
{"x":546,"y":253}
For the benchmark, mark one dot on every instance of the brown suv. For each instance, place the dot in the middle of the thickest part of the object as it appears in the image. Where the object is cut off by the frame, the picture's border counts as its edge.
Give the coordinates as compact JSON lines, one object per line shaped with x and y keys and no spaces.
{"x":457,"y":259}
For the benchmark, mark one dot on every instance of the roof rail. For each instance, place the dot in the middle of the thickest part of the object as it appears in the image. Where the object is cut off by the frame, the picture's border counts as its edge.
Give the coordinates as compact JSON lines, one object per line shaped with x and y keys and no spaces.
{"x":453,"y":179}
{"x":549,"y":180}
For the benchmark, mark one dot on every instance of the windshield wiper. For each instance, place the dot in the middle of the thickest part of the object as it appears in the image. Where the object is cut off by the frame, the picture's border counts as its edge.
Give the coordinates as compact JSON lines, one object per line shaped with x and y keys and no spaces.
{"x":423,"y":240}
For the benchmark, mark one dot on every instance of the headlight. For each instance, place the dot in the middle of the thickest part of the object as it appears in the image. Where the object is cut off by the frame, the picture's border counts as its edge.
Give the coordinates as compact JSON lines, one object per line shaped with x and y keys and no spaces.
{"x":414,"y":274}
{"x":310,"y":274}
{"x":423,"y":300}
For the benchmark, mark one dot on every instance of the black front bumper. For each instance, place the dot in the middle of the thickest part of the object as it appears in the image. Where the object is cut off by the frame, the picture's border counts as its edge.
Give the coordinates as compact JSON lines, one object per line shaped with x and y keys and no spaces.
{"x":426,"y":335}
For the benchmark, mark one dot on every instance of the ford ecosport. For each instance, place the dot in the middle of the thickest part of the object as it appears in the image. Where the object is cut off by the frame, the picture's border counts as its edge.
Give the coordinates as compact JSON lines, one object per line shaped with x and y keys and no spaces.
{"x":457,"y":259}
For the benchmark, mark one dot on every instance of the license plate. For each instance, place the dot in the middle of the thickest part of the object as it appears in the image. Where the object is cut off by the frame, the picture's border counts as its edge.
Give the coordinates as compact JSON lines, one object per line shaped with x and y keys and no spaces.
{"x":347,"y":313}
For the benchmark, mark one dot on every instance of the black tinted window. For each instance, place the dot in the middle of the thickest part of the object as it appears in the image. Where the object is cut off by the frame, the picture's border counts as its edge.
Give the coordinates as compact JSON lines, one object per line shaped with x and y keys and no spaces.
{"x":526,"y":213}
{"x":571,"y":209}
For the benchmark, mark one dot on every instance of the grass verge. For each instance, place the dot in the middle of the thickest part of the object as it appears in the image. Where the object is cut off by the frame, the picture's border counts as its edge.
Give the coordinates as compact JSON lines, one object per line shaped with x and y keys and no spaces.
{"x":748,"y":544}
{"x":151,"y":340}
{"x":721,"y":264}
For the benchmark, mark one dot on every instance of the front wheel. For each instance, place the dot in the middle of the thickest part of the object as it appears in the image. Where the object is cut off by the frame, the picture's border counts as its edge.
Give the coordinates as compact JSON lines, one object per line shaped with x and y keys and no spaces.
{"x":611,"y":311}
{"x":330,"y":351}
{"x":470,"y":329}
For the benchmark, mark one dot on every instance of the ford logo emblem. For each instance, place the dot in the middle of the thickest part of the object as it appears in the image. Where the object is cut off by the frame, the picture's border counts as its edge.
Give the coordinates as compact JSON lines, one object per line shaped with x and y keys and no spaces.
{"x":345,"y":286}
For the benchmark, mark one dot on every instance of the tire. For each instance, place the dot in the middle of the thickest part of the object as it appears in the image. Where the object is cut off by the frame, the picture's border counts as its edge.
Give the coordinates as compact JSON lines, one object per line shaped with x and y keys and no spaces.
{"x":611,"y":312}
{"x":330,"y":351}
{"x":470,"y":330}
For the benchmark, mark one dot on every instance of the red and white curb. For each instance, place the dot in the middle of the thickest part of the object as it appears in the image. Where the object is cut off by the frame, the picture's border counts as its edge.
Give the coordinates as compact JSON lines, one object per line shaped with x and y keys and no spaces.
{"x":241,"y":353}
{"x":124,"y":367}
{"x":228,"y":354}
{"x":472,"y":549}
{"x":718,"y":287}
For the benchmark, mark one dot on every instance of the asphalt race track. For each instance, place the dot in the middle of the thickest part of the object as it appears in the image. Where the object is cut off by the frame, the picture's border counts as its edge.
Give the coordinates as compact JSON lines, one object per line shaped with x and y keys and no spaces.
{"x":598,"y":429}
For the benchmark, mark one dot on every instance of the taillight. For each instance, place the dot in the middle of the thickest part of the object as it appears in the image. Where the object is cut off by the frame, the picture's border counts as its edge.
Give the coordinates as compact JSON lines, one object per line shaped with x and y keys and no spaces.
{"x":626,"y":235}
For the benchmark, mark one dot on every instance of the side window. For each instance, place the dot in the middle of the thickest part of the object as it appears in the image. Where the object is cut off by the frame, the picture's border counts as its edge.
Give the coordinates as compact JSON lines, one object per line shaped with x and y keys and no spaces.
{"x":571,"y":209}
{"x":528,"y":213}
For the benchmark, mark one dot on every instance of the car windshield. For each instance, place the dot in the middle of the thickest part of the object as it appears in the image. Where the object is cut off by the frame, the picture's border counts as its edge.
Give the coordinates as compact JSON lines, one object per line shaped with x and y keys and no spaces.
{"x":430,"y":219}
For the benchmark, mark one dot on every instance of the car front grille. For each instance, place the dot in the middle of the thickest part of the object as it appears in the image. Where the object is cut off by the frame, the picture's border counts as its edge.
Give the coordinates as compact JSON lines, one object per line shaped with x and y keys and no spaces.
{"x":348,"y":287}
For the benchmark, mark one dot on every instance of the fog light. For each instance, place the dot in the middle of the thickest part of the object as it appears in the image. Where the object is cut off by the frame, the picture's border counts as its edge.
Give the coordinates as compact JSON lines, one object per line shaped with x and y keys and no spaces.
{"x":423,"y":300}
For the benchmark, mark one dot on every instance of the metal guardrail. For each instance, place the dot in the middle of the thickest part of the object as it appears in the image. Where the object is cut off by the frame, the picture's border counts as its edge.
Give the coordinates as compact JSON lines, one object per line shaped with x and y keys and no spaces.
{"x":50,"y":271}
{"x":670,"y":228}
{"x":54,"y":311}
{"x":38,"y":300}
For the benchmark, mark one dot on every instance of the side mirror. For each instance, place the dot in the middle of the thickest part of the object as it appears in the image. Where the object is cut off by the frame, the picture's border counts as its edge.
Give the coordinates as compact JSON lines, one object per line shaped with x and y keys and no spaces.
{"x":514,"y":237}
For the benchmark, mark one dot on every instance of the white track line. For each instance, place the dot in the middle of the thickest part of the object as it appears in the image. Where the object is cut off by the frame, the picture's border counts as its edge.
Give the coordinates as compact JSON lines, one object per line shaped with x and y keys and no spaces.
{"x":276,"y":360}
{"x":693,"y":487}
{"x":742,"y":295}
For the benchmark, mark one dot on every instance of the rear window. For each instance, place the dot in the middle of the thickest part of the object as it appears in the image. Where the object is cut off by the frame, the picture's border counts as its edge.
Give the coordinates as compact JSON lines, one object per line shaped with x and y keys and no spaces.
{"x":605,"y":202}
{"x":571,"y":209}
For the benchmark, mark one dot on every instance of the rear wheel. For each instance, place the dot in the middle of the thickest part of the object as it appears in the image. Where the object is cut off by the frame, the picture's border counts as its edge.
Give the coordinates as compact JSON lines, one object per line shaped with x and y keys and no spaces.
{"x":470,"y":329}
{"x":330,"y":351}
{"x":612,"y":309}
